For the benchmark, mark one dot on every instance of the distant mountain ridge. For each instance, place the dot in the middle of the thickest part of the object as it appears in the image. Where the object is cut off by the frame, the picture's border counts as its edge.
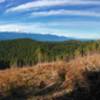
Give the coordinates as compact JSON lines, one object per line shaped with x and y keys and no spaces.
{"x":39,"y":37}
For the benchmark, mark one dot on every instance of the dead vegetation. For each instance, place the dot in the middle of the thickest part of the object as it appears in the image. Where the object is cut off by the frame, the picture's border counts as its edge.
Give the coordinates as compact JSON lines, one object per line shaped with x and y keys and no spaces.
{"x":53,"y":81}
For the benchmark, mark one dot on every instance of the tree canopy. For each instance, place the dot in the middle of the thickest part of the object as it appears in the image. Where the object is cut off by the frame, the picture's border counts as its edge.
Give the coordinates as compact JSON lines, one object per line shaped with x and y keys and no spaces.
{"x":27,"y":52}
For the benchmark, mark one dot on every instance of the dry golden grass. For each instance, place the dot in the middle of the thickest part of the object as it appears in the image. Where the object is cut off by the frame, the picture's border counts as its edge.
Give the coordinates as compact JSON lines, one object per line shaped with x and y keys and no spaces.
{"x":36,"y":78}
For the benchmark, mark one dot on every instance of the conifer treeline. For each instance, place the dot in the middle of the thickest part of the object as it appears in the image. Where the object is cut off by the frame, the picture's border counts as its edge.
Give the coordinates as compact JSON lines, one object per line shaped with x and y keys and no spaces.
{"x":26,"y":52}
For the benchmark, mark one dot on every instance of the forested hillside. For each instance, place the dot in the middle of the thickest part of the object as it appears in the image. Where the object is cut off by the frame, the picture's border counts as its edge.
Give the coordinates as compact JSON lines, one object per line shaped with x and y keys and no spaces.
{"x":67,"y":70}
{"x":26,"y":52}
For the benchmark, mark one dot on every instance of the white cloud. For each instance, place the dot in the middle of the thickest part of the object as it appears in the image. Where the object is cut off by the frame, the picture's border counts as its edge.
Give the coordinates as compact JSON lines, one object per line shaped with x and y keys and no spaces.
{"x":44,"y":29}
{"x":65,"y":12}
{"x":1,"y":1}
{"x":49,"y":3}
{"x":16,"y":28}
{"x":74,"y":24}
{"x":84,"y":35}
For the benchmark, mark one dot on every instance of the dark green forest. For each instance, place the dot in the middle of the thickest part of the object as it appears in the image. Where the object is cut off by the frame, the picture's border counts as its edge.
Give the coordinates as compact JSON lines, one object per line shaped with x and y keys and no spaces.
{"x":27,"y":52}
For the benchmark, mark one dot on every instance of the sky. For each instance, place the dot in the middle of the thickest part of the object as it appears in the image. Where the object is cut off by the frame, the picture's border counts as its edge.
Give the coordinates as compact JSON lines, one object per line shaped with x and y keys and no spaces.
{"x":70,"y":18}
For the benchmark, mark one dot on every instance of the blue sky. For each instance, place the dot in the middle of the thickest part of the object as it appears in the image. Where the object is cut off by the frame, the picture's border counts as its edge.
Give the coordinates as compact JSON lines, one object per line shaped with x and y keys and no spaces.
{"x":71,"y":18}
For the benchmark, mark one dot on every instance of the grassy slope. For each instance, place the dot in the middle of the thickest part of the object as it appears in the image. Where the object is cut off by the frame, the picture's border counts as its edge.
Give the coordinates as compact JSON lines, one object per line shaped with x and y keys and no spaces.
{"x":48,"y":81}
